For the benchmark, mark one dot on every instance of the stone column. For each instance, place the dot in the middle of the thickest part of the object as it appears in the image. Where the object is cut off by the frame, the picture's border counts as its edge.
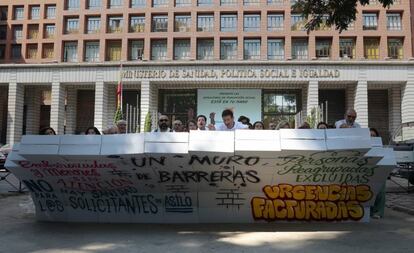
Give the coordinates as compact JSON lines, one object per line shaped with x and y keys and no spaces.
{"x":394,"y":105}
{"x":312,"y":98}
{"x":361,"y":103}
{"x":407,"y":108}
{"x":101,"y":109}
{"x":33,"y":96}
{"x":57,"y":108}
{"x":71,"y":100}
{"x":148,"y":103}
{"x":15,"y":113}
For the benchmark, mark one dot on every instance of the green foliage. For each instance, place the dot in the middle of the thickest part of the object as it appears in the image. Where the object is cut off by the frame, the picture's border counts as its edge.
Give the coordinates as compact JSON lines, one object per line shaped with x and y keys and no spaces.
{"x":118,"y":115}
{"x":339,"y":13}
{"x":312,"y":118}
{"x":147,"y":126}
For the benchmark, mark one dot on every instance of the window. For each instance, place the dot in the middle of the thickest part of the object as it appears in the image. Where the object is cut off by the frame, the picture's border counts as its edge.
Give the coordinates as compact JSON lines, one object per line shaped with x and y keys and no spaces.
{"x":31,"y":51}
{"x":159,"y":3}
{"x":32,"y":31}
{"x":93,"y":25}
{"x":228,"y":49}
{"x":17,"y":32}
{"x":70,"y":51}
{"x":252,"y":49}
{"x":323,"y":48}
{"x":370,"y":21}
{"x":113,"y":50}
{"x":251,"y":23}
{"x":395,"y":48}
{"x":115,"y":24}
{"x":298,"y":22}
{"x":138,"y":3}
{"x":228,"y":2}
{"x":35,"y":12}
{"x":72,"y":4}
{"x":18,"y":12}
{"x":275,"y":2}
{"x":50,"y":11}
{"x":182,"y":49}
{"x":251,"y":2}
{"x":72,"y":25}
{"x":160,"y":23}
{"x":48,"y":51}
{"x":182,"y":23}
{"x":205,"y":49}
{"x":159,"y":50}
{"x":2,"y":51}
{"x":204,"y":2}
{"x":137,"y":24}
{"x":94,"y":4}
{"x":50,"y":30}
{"x":394,"y":21}
{"x":136,"y":50}
{"x":324,"y":24}
{"x":299,"y":49}
{"x":182,"y":3}
{"x":92,"y":51}
{"x":278,"y":105}
{"x":205,"y":23}
{"x":228,"y":23}
{"x":177,"y":103}
{"x":275,"y":22}
{"x":16,"y":52}
{"x":115,"y":4}
{"x":3,"y":32}
{"x":371,"y":48}
{"x":347,"y":48}
{"x":275,"y":49}
{"x":3,"y":13}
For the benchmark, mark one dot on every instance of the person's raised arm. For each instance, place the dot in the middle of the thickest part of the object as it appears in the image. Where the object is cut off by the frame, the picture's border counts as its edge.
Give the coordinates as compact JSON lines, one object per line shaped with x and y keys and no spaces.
{"x":212,"y":116}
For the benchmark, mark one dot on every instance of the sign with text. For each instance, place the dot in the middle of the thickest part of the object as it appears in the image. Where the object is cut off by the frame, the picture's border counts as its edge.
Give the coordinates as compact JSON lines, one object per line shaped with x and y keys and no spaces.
{"x":247,"y":102}
{"x":181,"y":178}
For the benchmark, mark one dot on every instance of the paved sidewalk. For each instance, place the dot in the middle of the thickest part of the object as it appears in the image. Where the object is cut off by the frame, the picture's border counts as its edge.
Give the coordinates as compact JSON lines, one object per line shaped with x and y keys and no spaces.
{"x":20,"y":232}
{"x":398,"y":198}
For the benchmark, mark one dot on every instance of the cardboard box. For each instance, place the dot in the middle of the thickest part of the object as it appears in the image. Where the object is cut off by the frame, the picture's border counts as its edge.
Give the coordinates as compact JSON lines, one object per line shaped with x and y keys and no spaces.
{"x":32,"y":146}
{"x":122,"y":144}
{"x":348,"y":138}
{"x":264,"y":143}
{"x":213,"y":142}
{"x":166,"y":143}
{"x":303,"y":139}
{"x":74,"y":146}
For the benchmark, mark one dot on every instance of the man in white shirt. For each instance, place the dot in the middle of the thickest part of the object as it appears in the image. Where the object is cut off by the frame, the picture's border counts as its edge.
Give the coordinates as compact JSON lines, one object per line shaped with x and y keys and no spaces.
{"x":350,"y":117}
{"x":228,"y":122}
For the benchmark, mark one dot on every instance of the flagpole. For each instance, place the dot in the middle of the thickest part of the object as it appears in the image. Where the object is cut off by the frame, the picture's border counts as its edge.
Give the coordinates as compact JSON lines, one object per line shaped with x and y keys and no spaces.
{"x":122,"y":89}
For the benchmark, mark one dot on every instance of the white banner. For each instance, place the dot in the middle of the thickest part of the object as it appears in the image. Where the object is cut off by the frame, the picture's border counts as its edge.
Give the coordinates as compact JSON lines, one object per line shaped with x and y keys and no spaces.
{"x":205,"y":176}
{"x":246,"y":102}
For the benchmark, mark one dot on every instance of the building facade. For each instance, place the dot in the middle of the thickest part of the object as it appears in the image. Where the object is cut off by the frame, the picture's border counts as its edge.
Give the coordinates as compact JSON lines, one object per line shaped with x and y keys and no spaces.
{"x":60,"y":62}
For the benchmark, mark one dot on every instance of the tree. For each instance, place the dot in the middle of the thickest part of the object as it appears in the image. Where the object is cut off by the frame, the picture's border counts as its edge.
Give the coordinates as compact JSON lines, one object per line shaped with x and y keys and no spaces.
{"x":338,"y":13}
{"x":118,"y":115}
{"x":147,"y":125}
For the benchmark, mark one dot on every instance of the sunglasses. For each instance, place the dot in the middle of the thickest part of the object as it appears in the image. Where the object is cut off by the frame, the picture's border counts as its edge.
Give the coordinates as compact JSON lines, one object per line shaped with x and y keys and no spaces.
{"x":352,"y":117}
{"x":163,"y":120}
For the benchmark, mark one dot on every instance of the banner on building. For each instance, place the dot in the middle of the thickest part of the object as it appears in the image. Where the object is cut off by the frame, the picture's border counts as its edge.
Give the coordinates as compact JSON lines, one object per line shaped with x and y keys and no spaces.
{"x":204,"y":176}
{"x":246,"y":102}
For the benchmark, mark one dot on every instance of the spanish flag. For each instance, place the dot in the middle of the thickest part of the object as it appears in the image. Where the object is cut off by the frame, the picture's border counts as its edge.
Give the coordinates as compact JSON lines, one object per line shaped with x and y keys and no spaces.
{"x":119,"y":113}
{"x":119,"y":95}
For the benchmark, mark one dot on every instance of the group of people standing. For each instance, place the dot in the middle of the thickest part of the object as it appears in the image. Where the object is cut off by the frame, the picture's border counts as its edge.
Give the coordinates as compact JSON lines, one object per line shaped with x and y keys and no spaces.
{"x":243,"y":122}
{"x":229,"y":124}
